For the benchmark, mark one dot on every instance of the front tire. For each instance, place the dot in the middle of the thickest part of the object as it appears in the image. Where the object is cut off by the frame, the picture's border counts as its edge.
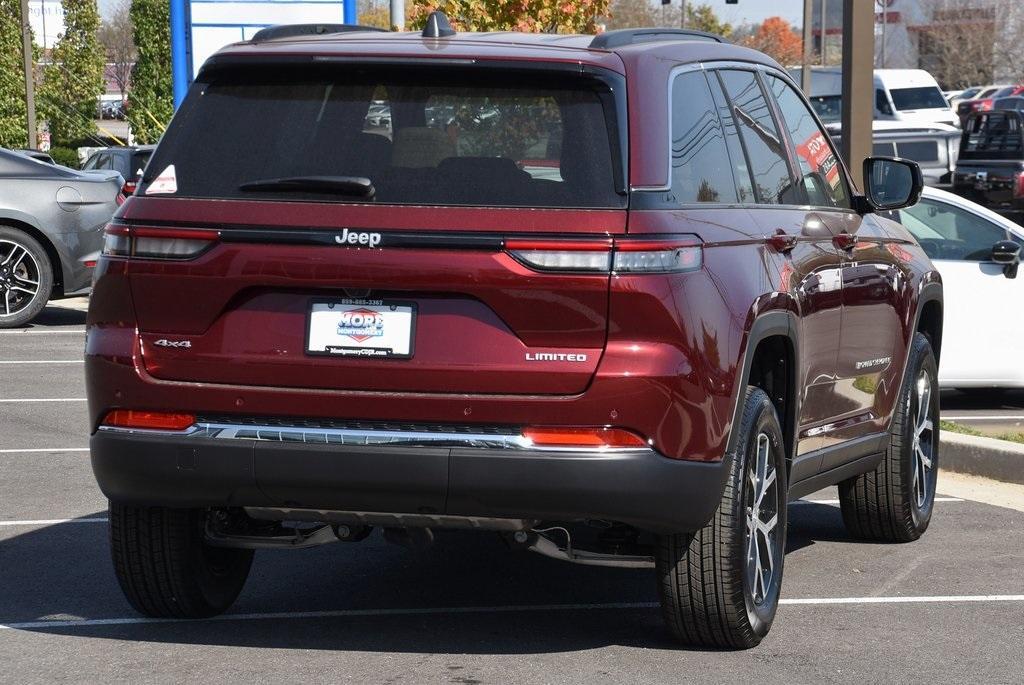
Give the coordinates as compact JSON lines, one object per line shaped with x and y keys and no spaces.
{"x":719,"y":587}
{"x":26,"y":279}
{"x":165,"y":567}
{"x":894,"y":502}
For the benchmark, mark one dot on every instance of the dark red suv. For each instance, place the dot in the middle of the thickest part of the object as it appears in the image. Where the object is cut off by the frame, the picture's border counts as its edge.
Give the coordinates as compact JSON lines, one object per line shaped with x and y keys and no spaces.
{"x":613,"y":298}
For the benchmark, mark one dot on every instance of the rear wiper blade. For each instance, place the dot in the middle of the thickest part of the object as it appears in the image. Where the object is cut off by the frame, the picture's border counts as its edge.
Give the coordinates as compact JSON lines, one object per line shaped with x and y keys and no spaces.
{"x":348,"y":185}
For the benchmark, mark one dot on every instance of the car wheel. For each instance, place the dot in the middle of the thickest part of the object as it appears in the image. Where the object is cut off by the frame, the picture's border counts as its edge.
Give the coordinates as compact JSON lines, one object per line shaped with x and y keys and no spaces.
{"x":26,"y":279}
{"x":165,"y":567}
{"x":893,"y":503}
{"x":719,"y":587}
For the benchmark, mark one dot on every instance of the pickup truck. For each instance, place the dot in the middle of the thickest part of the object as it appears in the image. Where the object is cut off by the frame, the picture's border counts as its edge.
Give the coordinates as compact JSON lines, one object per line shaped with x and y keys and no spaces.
{"x":990,"y":169}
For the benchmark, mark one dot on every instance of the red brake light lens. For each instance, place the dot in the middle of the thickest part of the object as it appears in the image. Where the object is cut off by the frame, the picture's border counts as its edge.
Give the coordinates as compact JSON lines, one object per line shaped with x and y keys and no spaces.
{"x":1018,"y":186}
{"x":555,"y":436}
{"x":157,"y":243}
{"x":148,"y":420}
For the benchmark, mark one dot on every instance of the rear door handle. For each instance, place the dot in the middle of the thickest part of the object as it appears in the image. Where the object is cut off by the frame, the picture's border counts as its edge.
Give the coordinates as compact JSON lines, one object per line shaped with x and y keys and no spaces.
{"x":782,"y":241}
{"x":844,"y":241}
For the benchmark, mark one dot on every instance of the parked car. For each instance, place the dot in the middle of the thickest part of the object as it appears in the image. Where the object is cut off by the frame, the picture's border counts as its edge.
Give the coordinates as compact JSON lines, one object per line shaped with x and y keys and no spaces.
{"x":990,"y":168}
{"x":934,"y":147}
{"x":906,"y":95}
{"x":129,"y":161}
{"x":635,"y":358}
{"x":973,"y":93}
{"x":987,"y":102}
{"x":1015,"y":103}
{"x":51,"y":232}
{"x":977,"y":252}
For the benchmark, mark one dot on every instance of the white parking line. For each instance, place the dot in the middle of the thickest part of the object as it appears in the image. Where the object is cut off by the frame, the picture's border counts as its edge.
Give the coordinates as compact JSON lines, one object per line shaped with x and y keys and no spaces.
{"x":58,"y":332}
{"x":48,"y":361}
{"x":44,"y":450}
{"x":993,"y":417}
{"x":53,"y":399}
{"x":51,"y":522}
{"x":835,"y":501}
{"x":440,"y":611}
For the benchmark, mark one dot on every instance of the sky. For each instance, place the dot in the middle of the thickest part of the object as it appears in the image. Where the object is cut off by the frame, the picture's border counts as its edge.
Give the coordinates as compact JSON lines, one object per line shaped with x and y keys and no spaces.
{"x":745,"y":11}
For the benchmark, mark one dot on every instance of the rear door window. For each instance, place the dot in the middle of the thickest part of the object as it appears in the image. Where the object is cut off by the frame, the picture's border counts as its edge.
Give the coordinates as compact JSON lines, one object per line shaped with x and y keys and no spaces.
{"x":762,"y":142}
{"x":701,"y":169}
{"x":420,"y":135}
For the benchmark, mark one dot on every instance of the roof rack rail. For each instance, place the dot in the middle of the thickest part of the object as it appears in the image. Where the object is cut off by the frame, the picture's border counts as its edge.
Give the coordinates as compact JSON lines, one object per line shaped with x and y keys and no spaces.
{"x":296,"y":30}
{"x":620,"y":37}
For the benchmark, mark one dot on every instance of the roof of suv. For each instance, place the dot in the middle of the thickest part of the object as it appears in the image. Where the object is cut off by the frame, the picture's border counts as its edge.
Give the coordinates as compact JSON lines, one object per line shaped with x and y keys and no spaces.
{"x":497,"y":45}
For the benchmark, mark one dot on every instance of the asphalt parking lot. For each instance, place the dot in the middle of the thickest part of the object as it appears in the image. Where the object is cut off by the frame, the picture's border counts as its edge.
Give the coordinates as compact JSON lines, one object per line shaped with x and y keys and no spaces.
{"x":945,"y":609}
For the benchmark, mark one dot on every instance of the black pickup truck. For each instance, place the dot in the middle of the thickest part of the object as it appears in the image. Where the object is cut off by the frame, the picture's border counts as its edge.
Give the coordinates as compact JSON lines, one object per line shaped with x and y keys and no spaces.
{"x":990,"y":170}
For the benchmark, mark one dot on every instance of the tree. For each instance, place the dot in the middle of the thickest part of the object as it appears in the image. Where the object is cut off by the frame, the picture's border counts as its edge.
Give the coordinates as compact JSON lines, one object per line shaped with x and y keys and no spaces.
{"x":73,"y":81}
{"x":151,"y":100}
{"x":552,"y":16}
{"x":116,"y":36}
{"x":637,"y":13}
{"x":776,"y":38}
{"x":378,"y":13}
{"x":13,"y":124}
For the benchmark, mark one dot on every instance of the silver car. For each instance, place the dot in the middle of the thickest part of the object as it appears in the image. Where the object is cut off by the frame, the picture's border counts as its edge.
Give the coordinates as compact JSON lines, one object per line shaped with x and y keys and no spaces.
{"x":51,"y":232}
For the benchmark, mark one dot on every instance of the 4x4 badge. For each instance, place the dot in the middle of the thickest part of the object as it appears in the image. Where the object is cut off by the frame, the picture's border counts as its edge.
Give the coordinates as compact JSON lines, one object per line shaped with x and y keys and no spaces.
{"x":164,"y":342}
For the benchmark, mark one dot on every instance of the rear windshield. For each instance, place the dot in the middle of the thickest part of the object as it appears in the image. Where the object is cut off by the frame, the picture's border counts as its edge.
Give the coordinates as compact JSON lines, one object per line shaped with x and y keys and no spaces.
{"x":928,"y":97}
{"x":420,"y":135}
{"x":996,"y":135}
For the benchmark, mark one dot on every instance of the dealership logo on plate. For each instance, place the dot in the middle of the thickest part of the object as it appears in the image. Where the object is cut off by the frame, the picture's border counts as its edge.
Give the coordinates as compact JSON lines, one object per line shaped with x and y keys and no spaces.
{"x":361,"y":324}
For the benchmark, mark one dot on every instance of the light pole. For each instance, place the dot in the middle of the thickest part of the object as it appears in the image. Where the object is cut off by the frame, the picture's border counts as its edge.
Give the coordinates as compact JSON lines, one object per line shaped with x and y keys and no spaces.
{"x":30,"y":86}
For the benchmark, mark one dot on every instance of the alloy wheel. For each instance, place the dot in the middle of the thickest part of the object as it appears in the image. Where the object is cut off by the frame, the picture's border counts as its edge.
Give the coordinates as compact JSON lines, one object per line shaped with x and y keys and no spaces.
{"x":19,"y":277}
{"x":762,"y":504}
{"x":923,"y":448}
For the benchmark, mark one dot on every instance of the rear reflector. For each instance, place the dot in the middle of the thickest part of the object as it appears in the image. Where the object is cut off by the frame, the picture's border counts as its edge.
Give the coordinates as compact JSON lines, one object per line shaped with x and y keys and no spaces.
{"x":149,"y":420}
{"x":157,"y":243}
{"x":553,"y":436}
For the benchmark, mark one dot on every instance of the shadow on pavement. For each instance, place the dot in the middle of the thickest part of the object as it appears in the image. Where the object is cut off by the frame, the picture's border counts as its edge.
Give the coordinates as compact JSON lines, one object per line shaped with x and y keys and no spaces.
{"x":63,"y":572}
{"x":55,"y":315}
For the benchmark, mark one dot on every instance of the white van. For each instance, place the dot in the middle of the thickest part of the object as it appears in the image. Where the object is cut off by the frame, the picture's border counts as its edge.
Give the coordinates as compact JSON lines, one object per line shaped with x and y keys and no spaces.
{"x":908,"y":95}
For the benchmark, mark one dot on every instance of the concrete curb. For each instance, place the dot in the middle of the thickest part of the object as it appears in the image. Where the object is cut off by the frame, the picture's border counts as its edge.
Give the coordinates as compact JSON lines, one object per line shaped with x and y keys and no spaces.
{"x":979,"y":456}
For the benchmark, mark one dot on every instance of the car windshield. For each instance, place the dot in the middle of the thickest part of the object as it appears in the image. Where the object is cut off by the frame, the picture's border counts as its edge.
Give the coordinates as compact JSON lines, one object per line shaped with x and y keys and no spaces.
{"x":928,"y":97}
{"x":419,"y":135}
{"x":829,"y":108}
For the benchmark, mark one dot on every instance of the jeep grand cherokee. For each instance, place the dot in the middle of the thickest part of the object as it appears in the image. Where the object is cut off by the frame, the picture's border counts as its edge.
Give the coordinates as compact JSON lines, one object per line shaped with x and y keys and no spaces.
{"x":614,"y":299}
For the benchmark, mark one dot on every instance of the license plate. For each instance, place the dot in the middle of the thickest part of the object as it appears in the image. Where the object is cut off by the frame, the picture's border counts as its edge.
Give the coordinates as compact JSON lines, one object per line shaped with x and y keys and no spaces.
{"x":361,"y":328}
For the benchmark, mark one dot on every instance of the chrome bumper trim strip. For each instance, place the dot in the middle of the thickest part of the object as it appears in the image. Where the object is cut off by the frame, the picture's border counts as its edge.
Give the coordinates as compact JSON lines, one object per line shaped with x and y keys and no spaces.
{"x":365,"y":438}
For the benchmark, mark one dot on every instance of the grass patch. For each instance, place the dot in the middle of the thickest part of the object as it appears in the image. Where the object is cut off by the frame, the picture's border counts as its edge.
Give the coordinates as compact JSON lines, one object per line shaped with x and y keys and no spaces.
{"x":967,"y":430}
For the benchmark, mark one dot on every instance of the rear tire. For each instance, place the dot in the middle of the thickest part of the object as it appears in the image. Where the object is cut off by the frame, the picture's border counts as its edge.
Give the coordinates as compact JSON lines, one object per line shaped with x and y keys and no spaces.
{"x":165,"y":567}
{"x":894,"y":502}
{"x":719,"y":587}
{"x":26,"y":278}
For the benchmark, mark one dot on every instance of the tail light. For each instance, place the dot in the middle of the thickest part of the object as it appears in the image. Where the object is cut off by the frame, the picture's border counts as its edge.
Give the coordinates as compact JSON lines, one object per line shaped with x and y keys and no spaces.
{"x":569,"y":437}
{"x":148,"y":420}
{"x":157,"y":243}
{"x":983,"y":105}
{"x":1018,"y":185}
{"x":603,"y":256}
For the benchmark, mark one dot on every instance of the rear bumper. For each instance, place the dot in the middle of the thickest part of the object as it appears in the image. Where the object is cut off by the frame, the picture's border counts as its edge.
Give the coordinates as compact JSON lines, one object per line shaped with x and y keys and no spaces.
{"x":639,"y":487}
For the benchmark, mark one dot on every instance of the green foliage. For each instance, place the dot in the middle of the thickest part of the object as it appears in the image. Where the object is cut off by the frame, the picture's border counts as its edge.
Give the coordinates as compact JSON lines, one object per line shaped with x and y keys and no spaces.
{"x":703,"y":18}
{"x":65,"y":156}
{"x":73,"y":82}
{"x":555,"y":16}
{"x":13,"y":125}
{"x":151,"y":101}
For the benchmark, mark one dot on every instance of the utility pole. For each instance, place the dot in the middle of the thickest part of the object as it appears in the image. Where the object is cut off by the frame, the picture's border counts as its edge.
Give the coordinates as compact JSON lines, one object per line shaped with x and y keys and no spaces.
{"x":30,"y":85}
{"x":682,"y":21}
{"x":885,"y":20}
{"x":397,"y":15}
{"x":805,"y":73}
{"x":824,"y":31}
{"x":858,"y":83}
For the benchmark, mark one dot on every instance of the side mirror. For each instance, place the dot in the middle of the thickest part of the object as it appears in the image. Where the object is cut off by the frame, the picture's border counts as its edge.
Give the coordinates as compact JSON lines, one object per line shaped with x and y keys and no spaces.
{"x":892,"y":183}
{"x":1006,"y":252}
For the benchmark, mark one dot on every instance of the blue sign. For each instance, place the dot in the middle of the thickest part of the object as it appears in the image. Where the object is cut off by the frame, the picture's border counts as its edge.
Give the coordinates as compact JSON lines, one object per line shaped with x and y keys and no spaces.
{"x":201,"y":27}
